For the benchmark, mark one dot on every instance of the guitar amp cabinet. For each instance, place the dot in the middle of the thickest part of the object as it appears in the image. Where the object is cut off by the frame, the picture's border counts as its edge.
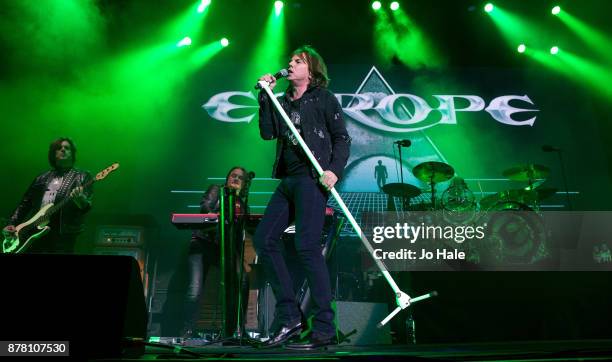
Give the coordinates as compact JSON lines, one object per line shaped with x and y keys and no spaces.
{"x":123,"y":240}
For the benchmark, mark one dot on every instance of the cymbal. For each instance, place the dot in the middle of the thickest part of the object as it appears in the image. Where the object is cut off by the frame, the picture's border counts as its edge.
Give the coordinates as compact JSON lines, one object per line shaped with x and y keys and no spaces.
{"x":527,"y":172}
{"x":523,"y":196}
{"x":433,"y":171}
{"x":401,"y":190}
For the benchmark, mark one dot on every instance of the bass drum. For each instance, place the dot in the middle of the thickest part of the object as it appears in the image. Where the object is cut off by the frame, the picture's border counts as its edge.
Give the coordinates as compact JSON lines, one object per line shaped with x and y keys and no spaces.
{"x":515,"y":235}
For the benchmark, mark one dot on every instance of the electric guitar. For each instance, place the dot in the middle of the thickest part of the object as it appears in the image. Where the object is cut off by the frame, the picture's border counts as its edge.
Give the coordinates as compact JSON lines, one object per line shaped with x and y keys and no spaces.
{"x":25,"y":233}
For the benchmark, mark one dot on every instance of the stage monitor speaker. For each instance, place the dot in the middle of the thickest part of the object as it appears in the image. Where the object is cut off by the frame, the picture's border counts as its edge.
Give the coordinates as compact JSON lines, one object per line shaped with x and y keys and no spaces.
{"x":359,"y":320}
{"x":94,"y":302}
{"x":512,"y":306}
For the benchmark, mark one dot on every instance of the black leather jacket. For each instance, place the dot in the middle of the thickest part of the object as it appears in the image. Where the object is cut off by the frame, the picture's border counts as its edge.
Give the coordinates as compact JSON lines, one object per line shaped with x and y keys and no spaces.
{"x":323,"y":128}
{"x":69,"y":219}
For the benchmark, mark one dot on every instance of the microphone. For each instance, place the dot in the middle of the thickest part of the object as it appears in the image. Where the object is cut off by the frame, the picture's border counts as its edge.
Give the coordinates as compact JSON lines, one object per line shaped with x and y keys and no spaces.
{"x":403,"y":143}
{"x":549,"y":148}
{"x":280,"y":74}
{"x":251,"y":175}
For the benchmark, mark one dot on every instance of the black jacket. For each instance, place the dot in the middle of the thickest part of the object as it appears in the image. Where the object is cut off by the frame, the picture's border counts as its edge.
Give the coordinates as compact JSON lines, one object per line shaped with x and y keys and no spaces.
{"x":323,"y":128}
{"x":69,"y":219}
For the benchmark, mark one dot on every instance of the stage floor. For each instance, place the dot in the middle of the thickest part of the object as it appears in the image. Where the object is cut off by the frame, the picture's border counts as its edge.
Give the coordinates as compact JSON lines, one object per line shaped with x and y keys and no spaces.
{"x":508,"y":351}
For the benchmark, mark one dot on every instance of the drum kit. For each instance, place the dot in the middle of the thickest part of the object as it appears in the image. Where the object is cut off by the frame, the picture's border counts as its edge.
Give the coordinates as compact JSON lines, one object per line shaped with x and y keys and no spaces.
{"x":458,"y":197}
{"x":516,"y":229}
{"x":527,"y":198}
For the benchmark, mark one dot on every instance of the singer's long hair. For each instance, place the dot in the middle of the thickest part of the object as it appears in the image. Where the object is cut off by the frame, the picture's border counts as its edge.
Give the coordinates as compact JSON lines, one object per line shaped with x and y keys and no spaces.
{"x":316,"y":65}
{"x":243,"y":190}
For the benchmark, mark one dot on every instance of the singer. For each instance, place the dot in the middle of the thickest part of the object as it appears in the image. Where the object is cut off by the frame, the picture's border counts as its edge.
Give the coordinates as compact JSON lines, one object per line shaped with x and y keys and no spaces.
{"x":204,"y":250}
{"x":301,"y":195}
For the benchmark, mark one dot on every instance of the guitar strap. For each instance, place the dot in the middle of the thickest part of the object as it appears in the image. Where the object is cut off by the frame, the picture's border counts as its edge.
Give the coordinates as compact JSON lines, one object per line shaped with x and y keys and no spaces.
{"x":65,"y":189}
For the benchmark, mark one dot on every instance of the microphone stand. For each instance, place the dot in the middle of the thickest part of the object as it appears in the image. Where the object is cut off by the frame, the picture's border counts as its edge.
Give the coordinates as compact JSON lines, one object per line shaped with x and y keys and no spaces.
{"x":399,"y":150}
{"x":240,"y":330}
{"x":567,"y":198}
{"x":240,"y":220}
{"x":227,"y":267}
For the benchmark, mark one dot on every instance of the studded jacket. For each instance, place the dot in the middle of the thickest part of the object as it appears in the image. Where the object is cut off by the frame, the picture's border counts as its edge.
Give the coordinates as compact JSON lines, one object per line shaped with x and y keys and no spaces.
{"x":69,"y":219}
{"x":323,"y":128}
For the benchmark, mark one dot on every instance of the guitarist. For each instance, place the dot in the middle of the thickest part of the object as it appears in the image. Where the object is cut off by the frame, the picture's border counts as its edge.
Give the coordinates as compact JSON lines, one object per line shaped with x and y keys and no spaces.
{"x":62,"y":181}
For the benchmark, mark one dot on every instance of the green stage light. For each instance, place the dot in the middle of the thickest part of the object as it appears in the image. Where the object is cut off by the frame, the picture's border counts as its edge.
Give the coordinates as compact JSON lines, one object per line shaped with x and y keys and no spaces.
{"x":186,"y":41}
{"x":521,"y":48}
{"x":270,"y":48}
{"x":376,"y":5}
{"x":224,"y":42}
{"x":596,"y":38}
{"x":394,"y":6}
{"x":203,"y":5}
{"x":556,"y":10}
{"x":278,"y":6}
{"x":488,"y":8}
{"x":554,"y":50}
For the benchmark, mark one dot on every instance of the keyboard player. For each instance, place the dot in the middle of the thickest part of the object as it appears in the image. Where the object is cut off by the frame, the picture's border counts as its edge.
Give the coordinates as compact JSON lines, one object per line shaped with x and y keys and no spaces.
{"x":204,"y":248}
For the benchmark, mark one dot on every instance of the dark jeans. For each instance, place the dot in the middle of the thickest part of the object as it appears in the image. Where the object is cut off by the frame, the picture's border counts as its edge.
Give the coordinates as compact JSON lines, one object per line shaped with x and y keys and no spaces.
{"x":197,"y":268}
{"x":302,"y":199}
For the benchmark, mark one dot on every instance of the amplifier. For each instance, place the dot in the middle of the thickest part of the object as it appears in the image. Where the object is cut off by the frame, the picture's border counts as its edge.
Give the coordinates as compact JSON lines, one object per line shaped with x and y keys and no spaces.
{"x":125,"y":240}
{"x":124,"y":236}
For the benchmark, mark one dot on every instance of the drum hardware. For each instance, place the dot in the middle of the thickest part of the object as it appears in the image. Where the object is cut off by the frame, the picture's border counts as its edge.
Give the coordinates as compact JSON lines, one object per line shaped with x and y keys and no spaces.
{"x":515,"y":199}
{"x":458,"y":197}
{"x":433,"y":172}
{"x":527,"y":198}
{"x":518,"y":234}
{"x":400,"y":189}
{"x":458,"y":202}
{"x":529,"y":172}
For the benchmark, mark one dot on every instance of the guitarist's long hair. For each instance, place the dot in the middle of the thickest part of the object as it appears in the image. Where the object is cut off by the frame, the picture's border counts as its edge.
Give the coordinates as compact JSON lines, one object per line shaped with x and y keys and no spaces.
{"x":56,"y":145}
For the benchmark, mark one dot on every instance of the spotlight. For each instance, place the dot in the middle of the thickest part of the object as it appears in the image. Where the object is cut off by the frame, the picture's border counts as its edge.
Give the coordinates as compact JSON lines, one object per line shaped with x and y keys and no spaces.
{"x":186,"y":41}
{"x":488,"y":8}
{"x":554,"y":50}
{"x":394,"y":6}
{"x":224,"y":42}
{"x":376,"y":5}
{"x":278,"y":6}
{"x":203,"y":5}
{"x":556,"y":10}
{"x":521,"y":48}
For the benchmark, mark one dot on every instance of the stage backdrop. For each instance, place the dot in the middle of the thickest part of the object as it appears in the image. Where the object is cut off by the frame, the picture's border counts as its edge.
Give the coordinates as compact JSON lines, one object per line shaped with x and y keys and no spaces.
{"x":109,"y":75}
{"x":479,"y":121}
